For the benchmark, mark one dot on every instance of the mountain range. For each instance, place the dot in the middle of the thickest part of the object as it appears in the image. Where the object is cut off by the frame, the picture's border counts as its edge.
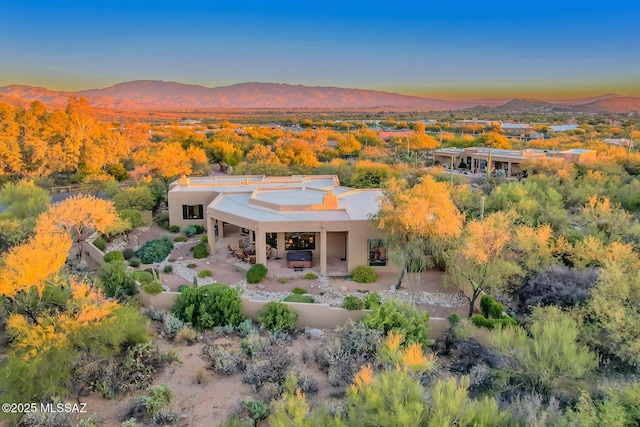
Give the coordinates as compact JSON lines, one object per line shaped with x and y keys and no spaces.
{"x":154,"y":95}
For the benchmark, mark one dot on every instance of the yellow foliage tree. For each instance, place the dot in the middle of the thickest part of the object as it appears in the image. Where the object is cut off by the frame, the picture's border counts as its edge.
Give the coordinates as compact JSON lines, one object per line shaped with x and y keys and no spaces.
{"x":79,"y":216}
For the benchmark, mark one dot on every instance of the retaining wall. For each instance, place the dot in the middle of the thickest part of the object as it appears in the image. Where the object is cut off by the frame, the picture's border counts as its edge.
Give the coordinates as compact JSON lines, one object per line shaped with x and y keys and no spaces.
{"x":320,"y":316}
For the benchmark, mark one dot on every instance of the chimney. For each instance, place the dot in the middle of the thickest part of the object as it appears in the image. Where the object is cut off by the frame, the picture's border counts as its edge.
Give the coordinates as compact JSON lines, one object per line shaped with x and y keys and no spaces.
{"x":330,"y":201}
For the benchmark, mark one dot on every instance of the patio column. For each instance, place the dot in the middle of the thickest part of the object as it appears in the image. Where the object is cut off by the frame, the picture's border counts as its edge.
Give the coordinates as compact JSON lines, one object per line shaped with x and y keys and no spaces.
{"x":261,"y":247}
{"x":220,"y":228}
{"x":323,"y":251}
{"x":211,"y":235}
{"x":508,"y":168}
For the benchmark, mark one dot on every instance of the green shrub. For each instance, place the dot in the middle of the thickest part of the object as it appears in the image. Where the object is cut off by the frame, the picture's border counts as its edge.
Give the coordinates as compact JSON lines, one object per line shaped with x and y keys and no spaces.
{"x":155,"y":250}
{"x":276,"y":316}
{"x":372,"y":299}
{"x":113,"y":256}
{"x":115,"y":280}
{"x":205,"y":273}
{"x":311,"y":275}
{"x":364,"y":274}
{"x":168,"y":268}
{"x":199,"y":229}
{"x":204,"y":239}
{"x":352,"y":302}
{"x":128,"y":254}
{"x":162,"y":219}
{"x":171,"y":325}
{"x":200,"y":251}
{"x":180,"y":239}
{"x":152,"y":288}
{"x":299,"y":291}
{"x":157,"y":397}
{"x":402,"y":318}
{"x":482,"y":322}
{"x":174,"y":229}
{"x":209,"y":306}
{"x":100,"y":243}
{"x":134,"y":262}
{"x":298,"y":298}
{"x":189,"y":230}
{"x":256,"y":273}
{"x":142,"y":276}
{"x":192,"y":265}
{"x":134,"y":217}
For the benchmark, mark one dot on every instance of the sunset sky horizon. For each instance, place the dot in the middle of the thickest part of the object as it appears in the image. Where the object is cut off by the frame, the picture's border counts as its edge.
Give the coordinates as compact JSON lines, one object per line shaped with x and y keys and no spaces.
{"x":556,"y":50}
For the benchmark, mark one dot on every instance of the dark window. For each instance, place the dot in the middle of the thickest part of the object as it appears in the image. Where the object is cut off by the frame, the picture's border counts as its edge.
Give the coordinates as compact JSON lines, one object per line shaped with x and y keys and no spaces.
{"x":377,"y":252}
{"x":297,"y":241}
{"x":192,"y":212}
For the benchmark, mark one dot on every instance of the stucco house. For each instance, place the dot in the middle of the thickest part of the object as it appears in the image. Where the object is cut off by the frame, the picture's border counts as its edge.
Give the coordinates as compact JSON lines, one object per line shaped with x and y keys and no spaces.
{"x":310,"y":214}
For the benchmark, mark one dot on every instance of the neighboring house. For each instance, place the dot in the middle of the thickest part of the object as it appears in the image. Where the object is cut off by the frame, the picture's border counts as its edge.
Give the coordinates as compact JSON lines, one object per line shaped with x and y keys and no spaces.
{"x":475,"y":159}
{"x":291,"y":213}
{"x":562,"y":128}
{"x":620,"y":142}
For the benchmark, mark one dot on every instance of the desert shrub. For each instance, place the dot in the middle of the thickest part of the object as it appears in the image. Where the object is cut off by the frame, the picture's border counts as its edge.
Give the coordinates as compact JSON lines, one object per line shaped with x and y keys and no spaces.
{"x":364,"y":274}
{"x":162,"y":219}
{"x":192,"y":265}
{"x":153,"y":314}
{"x":558,"y":285}
{"x":276,"y":316}
{"x":222,"y":361}
{"x":134,"y":262}
{"x":306,"y":384}
{"x":201,"y":250}
{"x":113,"y":256}
{"x":45,"y":419}
{"x":204,"y":239}
{"x":156,"y":398}
{"x":534,"y":410}
{"x":352,"y":346}
{"x":246,"y":328}
{"x":138,"y":198}
{"x":272,"y":366}
{"x":174,"y":229}
{"x":154,"y":250}
{"x":401,"y":318}
{"x":199,"y":228}
{"x":115,"y":281}
{"x":205,"y":273}
{"x":152,"y":288}
{"x":491,"y":308}
{"x":298,"y":291}
{"x":371,"y":300}
{"x":128,"y":254}
{"x":482,"y":322}
{"x":186,"y":334}
{"x":253,"y":344}
{"x":189,"y":230}
{"x":298,"y":298}
{"x":168,"y":268}
{"x":546,"y":359}
{"x":100,"y":243}
{"x":256,"y":273}
{"x":171,"y":325}
{"x":179,"y":239}
{"x":311,"y":275}
{"x":134,"y":216}
{"x":142,"y":276}
{"x":209,"y":306}
{"x":351,"y":302}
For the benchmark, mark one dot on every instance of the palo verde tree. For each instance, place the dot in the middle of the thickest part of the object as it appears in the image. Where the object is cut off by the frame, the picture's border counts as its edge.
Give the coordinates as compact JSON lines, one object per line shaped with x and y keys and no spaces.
{"x":415,"y":220}
{"x":80,"y":216}
{"x":483,"y":262}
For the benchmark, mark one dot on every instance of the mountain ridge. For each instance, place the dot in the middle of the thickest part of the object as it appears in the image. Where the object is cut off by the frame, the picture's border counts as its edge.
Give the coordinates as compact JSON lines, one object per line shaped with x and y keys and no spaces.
{"x":173,"y":96}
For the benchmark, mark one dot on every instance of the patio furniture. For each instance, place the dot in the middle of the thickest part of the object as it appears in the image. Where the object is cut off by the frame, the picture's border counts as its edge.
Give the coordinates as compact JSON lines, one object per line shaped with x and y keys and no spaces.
{"x":252,"y":259}
{"x":299,"y":259}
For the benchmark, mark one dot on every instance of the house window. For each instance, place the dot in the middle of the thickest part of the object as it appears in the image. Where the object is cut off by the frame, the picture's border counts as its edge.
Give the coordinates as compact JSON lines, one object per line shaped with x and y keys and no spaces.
{"x":192,"y":212}
{"x":377,"y":252}
{"x":297,"y":241}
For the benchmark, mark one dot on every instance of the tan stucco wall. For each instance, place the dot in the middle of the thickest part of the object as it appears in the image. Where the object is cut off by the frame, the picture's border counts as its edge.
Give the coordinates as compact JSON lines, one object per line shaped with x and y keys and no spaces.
{"x":320,"y":316}
{"x":179,"y":198}
{"x":96,"y":254}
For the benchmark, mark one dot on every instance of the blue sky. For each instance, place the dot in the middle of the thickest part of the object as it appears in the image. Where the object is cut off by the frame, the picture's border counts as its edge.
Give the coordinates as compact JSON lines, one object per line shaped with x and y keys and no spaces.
{"x":450,"y":50}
